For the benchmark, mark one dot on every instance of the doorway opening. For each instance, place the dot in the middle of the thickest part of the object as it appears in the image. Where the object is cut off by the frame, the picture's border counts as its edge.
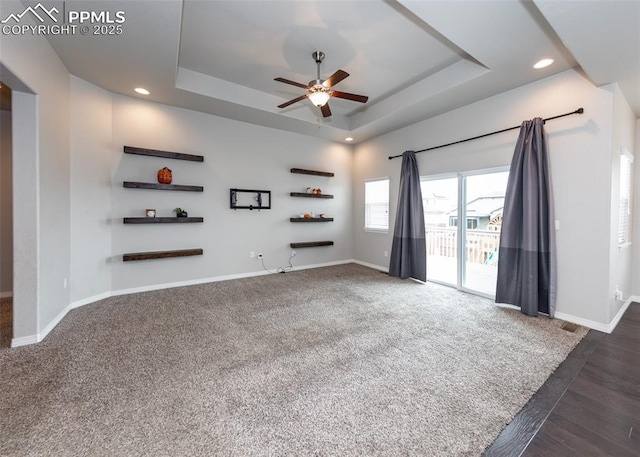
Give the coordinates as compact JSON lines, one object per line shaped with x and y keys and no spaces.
{"x":6,"y":218}
{"x":463,"y":218}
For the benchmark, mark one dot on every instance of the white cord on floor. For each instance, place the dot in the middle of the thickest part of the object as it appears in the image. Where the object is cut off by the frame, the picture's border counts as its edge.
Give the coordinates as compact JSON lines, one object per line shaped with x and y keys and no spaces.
{"x":279,"y":269}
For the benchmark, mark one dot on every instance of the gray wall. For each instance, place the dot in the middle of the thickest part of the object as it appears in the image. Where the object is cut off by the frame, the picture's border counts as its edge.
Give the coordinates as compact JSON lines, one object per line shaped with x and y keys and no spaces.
{"x":92,"y":162}
{"x":6,"y":206}
{"x":237,"y":155}
{"x":41,"y":156}
{"x":621,"y":259}
{"x":635,"y":246}
{"x":581,"y":164}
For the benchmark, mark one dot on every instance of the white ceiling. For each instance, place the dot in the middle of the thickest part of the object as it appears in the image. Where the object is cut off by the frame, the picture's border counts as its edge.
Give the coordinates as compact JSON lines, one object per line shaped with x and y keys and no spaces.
{"x":414,"y":59}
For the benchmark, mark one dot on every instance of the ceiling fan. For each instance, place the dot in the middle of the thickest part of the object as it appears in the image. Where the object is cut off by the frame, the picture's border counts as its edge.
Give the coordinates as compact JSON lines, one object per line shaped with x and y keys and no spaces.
{"x":319,"y":91}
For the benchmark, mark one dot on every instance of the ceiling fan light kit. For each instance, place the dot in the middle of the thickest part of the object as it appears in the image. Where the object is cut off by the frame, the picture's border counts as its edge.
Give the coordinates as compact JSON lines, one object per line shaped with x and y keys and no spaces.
{"x":319,"y":98}
{"x":319,"y":91}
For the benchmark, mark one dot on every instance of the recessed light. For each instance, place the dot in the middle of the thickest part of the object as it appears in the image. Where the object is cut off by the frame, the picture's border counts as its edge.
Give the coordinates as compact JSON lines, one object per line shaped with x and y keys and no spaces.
{"x":141,"y":90}
{"x":543,"y":63}
{"x":348,"y":139}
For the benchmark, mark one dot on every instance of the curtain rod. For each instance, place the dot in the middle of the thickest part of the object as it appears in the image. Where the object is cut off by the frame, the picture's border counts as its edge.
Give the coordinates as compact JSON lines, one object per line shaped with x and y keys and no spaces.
{"x":578,"y":111}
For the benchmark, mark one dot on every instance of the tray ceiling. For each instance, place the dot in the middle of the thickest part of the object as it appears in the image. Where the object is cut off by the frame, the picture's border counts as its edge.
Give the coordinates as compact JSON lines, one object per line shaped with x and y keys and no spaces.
{"x":414,"y":59}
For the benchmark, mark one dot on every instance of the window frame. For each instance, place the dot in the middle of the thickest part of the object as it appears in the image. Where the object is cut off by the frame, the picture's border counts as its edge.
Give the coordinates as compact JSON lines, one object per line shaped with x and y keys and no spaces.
{"x":625,"y":199}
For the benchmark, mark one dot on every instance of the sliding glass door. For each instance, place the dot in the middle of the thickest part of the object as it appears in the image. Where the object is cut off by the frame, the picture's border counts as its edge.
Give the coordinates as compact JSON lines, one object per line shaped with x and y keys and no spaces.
{"x":484,"y":202}
{"x":463,"y":218}
{"x":440,"y":199}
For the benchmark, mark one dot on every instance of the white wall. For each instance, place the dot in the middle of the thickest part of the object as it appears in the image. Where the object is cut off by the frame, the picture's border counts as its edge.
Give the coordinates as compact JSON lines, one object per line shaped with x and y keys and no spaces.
{"x":6,"y":206}
{"x":43,"y":253}
{"x":237,"y":155}
{"x":92,"y":163}
{"x":624,"y":136}
{"x":580,"y":148}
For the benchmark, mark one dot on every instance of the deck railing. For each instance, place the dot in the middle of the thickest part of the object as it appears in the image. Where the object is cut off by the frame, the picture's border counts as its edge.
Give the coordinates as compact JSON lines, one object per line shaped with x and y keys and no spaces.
{"x":481,"y":245}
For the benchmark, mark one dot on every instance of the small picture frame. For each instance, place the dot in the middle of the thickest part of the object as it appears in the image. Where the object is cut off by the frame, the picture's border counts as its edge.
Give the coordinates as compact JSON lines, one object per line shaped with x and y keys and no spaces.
{"x":150,"y":212}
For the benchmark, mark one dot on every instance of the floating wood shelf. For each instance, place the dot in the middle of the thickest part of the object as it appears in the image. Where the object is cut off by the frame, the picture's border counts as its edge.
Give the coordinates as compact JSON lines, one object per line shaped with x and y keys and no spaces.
{"x":311,"y":219}
{"x":303,"y":194}
{"x":160,"y":254}
{"x":149,"y":185}
{"x":311,"y":244}
{"x":302,"y":171}
{"x":161,"y":220}
{"x":163,"y":154}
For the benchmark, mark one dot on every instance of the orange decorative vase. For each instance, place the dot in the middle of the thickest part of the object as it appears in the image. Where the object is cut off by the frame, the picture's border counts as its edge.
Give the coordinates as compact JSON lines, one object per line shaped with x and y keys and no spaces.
{"x":164,"y":176}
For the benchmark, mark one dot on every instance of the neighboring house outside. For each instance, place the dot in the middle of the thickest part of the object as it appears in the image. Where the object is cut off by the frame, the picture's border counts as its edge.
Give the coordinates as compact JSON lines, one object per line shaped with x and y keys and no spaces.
{"x":483,"y":213}
{"x":436,"y":208}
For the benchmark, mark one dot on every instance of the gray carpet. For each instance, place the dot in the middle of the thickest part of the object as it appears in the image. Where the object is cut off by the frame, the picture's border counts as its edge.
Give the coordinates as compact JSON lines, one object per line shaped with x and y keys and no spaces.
{"x":334,"y":361}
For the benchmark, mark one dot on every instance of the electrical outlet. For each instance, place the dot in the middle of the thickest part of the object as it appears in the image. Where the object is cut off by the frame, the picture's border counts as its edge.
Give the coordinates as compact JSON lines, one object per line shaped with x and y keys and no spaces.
{"x":293,"y":253}
{"x":252,"y":254}
{"x":618,"y":295}
{"x":386,"y":253}
{"x":259,"y":256}
{"x":64,"y":283}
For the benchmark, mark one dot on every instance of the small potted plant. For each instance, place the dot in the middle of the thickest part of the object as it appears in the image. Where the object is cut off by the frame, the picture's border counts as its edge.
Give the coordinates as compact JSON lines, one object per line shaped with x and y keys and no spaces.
{"x":180,"y":212}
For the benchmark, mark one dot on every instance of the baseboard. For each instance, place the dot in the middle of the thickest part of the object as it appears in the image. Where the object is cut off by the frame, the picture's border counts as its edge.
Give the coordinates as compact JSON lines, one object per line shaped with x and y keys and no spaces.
{"x":193,"y":282}
{"x":32,"y":339}
{"x":371,"y":265}
{"x":88,"y":300}
{"x":51,"y":325}
{"x":326,"y":264}
{"x":24,"y":341}
{"x":6,"y":294}
{"x":383,"y":269}
{"x":599,"y":326}
{"x":190,"y":282}
{"x":616,"y":319}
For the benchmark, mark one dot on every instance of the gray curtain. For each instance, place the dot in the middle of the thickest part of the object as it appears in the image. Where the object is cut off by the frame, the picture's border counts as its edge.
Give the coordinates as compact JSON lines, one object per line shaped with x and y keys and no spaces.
{"x":527,"y":256}
{"x":408,"y":252}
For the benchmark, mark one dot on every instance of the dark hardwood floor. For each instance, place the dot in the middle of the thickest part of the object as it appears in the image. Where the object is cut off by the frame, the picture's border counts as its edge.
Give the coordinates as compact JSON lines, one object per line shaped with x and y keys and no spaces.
{"x":590,"y":406}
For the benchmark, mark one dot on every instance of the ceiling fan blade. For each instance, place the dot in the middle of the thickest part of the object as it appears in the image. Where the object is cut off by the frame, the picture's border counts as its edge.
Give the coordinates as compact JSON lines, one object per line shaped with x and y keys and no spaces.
{"x":291,"y":102}
{"x":293,"y":83}
{"x":335,"y":78}
{"x":348,"y":96}
{"x":326,"y":111}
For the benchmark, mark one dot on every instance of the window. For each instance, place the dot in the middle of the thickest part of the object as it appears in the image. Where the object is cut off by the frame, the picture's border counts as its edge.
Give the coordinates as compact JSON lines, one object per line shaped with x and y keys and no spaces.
{"x":376,"y":203}
{"x":472,"y":222}
{"x":624,"y":215}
